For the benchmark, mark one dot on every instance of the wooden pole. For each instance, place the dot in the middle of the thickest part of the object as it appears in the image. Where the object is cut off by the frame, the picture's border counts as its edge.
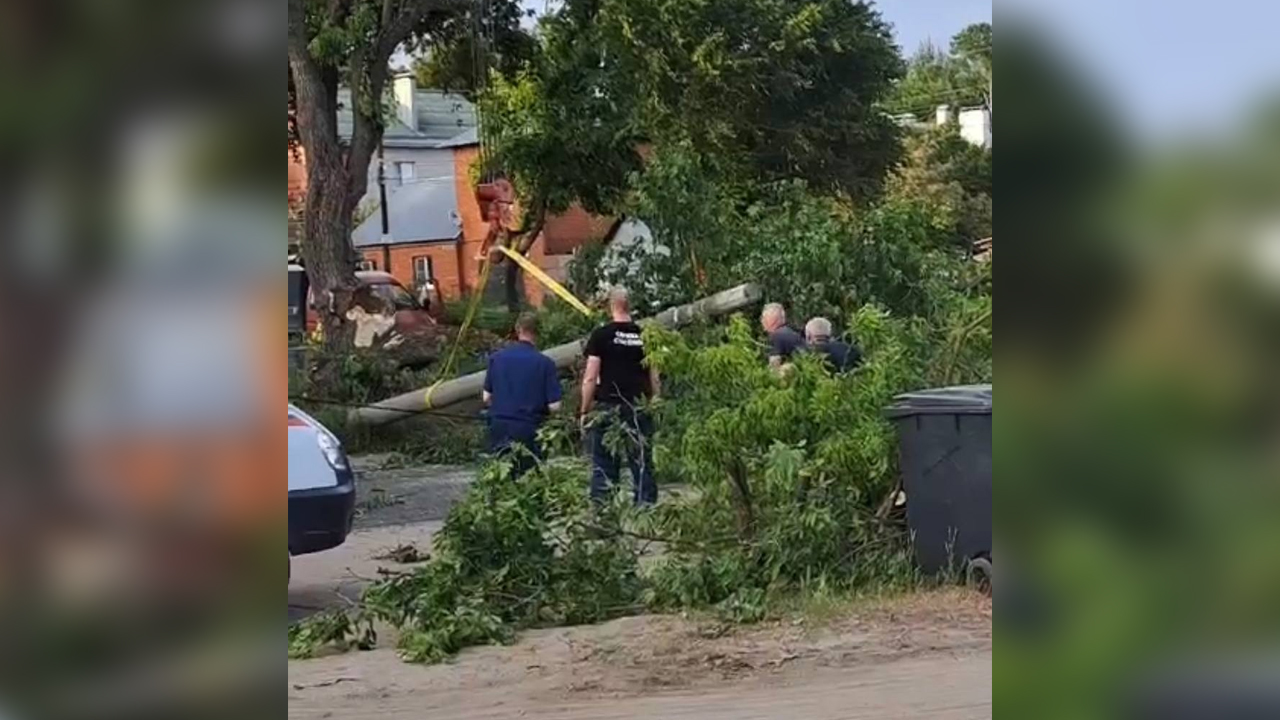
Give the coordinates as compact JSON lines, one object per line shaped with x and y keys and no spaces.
{"x":468,"y":387}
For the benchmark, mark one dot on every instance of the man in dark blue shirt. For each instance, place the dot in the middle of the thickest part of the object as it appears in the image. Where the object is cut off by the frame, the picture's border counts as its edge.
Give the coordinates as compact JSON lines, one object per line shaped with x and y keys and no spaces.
{"x":521,"y":389}
{"x":838,"y":356}
{"x":783,"y":341}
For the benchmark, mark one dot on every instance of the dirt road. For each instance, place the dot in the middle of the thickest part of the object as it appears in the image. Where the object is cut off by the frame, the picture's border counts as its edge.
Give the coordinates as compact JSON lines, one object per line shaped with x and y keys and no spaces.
{"x":939,"y":687}
{"x":922,"y":657}
{"x":928,"y":656}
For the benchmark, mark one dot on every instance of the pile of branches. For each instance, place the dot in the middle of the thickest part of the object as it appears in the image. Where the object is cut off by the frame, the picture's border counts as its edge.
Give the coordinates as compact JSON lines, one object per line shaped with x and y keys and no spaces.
{"x":513,"y":554}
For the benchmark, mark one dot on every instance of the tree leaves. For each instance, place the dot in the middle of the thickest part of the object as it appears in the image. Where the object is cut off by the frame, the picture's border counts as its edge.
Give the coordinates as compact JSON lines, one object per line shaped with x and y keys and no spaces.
{"x":774,"y":90}
{"x":935,"y":77}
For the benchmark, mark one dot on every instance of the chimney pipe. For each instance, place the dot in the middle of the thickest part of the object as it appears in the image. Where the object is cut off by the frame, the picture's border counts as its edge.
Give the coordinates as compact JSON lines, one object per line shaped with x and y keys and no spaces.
{"x":405,"y":86}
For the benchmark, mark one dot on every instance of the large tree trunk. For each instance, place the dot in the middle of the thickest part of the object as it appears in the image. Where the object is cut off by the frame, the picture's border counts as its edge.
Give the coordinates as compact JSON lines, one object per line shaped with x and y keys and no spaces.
{"x":326,"y":218}
{"x":328,"y":254}
{"x":337,"y":172}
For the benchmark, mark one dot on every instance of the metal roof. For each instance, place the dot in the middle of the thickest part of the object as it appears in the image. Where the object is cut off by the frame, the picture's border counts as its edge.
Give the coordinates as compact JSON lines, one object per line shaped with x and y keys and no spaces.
{"x":443,"y":119}
{"x":442,"y":116}
{"x":467,"y":137}
{"x":419,"y":211}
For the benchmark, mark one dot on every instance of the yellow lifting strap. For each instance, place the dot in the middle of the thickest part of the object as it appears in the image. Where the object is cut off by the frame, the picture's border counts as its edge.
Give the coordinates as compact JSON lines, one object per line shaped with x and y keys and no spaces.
{"x":545,"y":279}
{"x":528,"y":267}
{"x":476,"y":297}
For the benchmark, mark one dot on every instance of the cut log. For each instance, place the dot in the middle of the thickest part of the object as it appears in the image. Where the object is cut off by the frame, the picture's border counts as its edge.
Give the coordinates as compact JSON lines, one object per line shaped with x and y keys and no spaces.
{"x":469,"y":387}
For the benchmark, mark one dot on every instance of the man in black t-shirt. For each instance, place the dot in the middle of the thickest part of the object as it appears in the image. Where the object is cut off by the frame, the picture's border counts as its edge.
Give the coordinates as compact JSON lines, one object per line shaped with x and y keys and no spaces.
{"x":616,"y":383}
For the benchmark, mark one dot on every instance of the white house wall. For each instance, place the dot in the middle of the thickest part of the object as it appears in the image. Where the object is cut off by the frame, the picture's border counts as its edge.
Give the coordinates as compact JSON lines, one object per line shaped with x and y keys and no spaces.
{"x":975,"y":126}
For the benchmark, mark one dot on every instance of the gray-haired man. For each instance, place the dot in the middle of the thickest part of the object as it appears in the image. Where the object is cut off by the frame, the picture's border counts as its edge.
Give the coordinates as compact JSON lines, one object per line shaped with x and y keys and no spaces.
{"x":783,"y":341}
{"x":838,"y":355}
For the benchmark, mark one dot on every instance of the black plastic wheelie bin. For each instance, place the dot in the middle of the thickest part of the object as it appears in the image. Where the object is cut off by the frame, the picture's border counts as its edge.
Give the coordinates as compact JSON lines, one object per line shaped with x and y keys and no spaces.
{"x":945,"y":456}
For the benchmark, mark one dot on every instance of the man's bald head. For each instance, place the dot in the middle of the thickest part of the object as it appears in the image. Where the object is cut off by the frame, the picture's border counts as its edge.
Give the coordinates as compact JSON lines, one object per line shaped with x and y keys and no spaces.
{"x":619,"y":300}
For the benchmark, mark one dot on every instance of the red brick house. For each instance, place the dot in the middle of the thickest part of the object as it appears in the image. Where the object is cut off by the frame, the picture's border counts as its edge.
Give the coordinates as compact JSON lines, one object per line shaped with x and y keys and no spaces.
{"x":435,"y":228}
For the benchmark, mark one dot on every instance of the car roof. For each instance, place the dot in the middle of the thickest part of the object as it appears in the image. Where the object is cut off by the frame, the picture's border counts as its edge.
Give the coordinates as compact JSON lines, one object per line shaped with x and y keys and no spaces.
{"x":376,"y":277}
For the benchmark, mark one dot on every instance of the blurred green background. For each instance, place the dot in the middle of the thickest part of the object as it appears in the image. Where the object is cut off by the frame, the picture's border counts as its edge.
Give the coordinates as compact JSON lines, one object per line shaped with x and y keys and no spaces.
{"x":1138,"y":435}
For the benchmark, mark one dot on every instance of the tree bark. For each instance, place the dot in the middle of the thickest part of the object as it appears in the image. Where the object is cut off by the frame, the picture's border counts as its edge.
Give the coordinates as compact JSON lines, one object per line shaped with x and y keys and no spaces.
{"x":326,"y":217}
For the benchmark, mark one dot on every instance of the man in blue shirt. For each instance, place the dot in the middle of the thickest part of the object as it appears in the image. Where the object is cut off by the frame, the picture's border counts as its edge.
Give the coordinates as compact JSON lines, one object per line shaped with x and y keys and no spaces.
{"x":838,"y":356}
{"x":521,"y":389}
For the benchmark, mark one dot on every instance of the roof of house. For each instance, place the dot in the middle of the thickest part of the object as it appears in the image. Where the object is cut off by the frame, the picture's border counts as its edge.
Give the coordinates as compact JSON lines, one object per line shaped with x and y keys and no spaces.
{"x":444,"y":120}
{"x":419,"y":211}
{"x":443,"y":116}
{"x":467,"y":137}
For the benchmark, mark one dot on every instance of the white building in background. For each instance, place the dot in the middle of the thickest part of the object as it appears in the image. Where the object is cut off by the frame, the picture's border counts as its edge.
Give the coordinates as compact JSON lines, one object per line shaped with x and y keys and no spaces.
{"x":419,"y":141}
{"x":975,"y":126}
{"x":974,"y":122}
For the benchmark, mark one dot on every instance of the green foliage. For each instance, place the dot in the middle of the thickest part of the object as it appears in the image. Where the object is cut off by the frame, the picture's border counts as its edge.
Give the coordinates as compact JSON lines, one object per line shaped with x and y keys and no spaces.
{"x":554,"y":134}
{"x":559,"y":322}
{"x":973,"y":42}
{"x":776,"y":90}
{"x":336,"y":629}
{"x":784,"y":90}
{"x":495,"y":319}
{"x":584,"y":271}
{"x":448,"y":61}
{"x":937,"y":77}
{"x":513,"y":554}
{"x":331,"y":384}
{"x":972,"y":47}
{"x":952,"y":176}
{"x":818,"y":254}
{"x":789,"y":471}
{"x":785,"y":479}
{"x":358,"y":376}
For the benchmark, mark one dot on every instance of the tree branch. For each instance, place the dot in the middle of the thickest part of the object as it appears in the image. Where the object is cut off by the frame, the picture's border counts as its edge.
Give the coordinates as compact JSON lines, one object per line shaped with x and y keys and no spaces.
{"x":387,"y":9}
{"x":315,"y":112}
{"x":367,"y":77}
{"x":297,"y":26}
{"x":530,"y":233}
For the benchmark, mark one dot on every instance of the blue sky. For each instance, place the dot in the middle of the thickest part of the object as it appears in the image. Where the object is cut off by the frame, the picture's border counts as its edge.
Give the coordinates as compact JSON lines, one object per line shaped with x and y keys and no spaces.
{"x":1170,"y":67}
{"x":915,"y":21}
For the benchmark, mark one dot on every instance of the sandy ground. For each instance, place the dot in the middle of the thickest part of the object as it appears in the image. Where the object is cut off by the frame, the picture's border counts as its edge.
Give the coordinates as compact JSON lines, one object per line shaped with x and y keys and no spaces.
{"x":927,"y":656}
{"x":394,"y":506}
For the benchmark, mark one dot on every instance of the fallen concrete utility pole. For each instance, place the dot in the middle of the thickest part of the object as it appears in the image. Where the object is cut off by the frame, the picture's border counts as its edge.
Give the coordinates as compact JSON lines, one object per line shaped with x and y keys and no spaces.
{"x":468,"y":387}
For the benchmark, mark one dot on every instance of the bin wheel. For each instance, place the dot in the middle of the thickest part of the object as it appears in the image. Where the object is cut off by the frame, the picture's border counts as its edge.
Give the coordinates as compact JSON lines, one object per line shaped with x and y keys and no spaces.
{"x":979,"y":575}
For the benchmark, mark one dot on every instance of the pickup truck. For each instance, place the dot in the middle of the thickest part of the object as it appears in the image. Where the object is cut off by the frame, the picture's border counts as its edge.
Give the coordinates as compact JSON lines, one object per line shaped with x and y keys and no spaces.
{"x":409,"y":316}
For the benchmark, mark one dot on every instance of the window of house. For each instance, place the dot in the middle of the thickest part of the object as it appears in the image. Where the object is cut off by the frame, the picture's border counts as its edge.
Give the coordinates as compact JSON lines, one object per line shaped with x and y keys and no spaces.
{"x":405,"y":171}
{"x":368,"y":265}
{"x":422,"y":270}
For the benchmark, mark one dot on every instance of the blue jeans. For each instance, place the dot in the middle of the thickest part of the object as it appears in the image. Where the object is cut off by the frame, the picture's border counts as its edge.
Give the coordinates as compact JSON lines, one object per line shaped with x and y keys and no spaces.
{"x":506,"y":435}
{"x":637,"y":428}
